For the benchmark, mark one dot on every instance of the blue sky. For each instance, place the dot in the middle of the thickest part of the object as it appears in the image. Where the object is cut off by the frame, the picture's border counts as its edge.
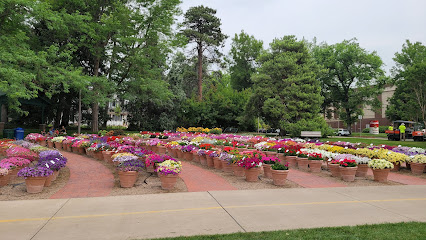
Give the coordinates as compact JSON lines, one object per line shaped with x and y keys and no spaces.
{"x":379,"y":25}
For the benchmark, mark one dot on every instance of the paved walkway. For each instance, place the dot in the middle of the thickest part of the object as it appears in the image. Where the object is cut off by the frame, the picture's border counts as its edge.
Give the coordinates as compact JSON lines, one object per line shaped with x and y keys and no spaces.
{"x":199,"y":180}
{"x":308,"y":180}
{"x":217,"y":212}
{"x":88,"y":178}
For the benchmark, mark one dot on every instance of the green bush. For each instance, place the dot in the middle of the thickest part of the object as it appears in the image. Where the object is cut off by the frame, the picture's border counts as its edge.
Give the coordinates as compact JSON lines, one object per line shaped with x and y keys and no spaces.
{"x":382,"y":129}
{"x":366,"y":130}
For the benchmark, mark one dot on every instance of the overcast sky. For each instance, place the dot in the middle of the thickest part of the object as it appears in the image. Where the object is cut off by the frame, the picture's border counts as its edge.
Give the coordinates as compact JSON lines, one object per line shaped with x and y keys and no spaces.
{"x":379,"y":25}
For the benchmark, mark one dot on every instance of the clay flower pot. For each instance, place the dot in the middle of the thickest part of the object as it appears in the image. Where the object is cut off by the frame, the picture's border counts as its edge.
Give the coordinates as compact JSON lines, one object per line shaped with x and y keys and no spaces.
{"x":381,"y":175}
{"x":267,"y":170}
{"x":302,"y":163}
{"x":81,"y":150}
{"x":55,"y":175}
{"x":50,"y":144}
{"x":127,"y":179}
{"x":4,"y":180}
{"x":203,"y":160}
{"x":279,"y":177}
{"x":43,"y":143}
{"x":217,"y":163}
{"x":252,"y":174}
{"x":180,"y":155}
{"x":334,"y":169}
{"x":35,"y":184}
{"x":196,"y":157}
{"x":362,"y":170}
{"x":188,"y":156}
{"x":58,"y":145}
{"x":292,"y":163}
{"x":396,"y":167}
{"x":226,"y":167}
{"x":168,"y":181}
{"x":49,"y":180}
{"x":282,"y":158}
{"x":107,"y":156}
{"x":348,"y":173}
{"x":315,"y":166}
{"x":417,"y":168}
{"x":161,"y":150}
{"x":238,"y":171}
{"x":210,"y":162}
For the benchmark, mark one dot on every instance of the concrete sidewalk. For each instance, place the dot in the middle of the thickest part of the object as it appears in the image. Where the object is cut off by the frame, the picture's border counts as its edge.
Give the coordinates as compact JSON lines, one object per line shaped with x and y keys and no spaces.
{"x":164,"y":215}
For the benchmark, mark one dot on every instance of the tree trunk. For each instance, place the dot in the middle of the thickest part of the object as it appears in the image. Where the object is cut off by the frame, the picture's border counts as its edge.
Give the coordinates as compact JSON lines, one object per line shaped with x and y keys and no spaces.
{"x":66,"y":112}
{"x":95,"y":105}
{"x":200,"y":72}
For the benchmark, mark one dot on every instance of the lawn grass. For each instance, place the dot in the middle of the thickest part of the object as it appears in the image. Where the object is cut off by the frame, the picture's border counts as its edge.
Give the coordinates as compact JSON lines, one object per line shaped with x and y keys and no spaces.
{"x":376,"y":141}
{"x":406,"y":231}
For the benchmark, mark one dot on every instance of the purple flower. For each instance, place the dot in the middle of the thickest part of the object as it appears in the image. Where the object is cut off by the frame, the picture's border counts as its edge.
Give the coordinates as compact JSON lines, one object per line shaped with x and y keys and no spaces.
{"x":35,"y":172}
{"x":131,"y":165}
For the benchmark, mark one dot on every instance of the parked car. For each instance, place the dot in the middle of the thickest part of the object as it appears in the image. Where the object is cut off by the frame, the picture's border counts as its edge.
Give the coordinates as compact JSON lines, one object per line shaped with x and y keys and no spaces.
{"x":343,"y":132}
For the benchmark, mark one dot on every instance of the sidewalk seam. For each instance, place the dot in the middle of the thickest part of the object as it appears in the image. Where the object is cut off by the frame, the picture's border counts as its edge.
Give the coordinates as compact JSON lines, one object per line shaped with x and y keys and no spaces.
{"x":235,"y":220}
{"x":50,"y":218}
{"x":385,"y":209}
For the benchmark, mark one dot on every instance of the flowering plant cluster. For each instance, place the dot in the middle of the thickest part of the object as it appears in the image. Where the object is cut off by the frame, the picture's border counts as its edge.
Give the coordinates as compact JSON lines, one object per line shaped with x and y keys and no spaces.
{"x":58,"y":139}
{"x":380,"y":164}
{"x":16,"y":161}
{"x":418,"y":159}
{"x":131,"y":165}
{"x":151,"y":160}
{"x":227,"y":157}
{"x":125,"y":158}
{"x":201,"y":152}
{"x":35,"y":137}
{"x":206,"y":146}
{"x":290,"y":152}
{"x":38,"y":148}
{"x":153,"y":142}
{"x":54,"y":163}
{"x":315,"y":156}
{"x":335,"y":161}
{"x":348,"y":163}
{"x":362,"y":160}
{"x":49,"y":154}
{"x":270,"y":160}
{"x":37,"y":171}
{"x":4,"y":171}
{"x":301,"y":154}
{"x":213,"y":154}
{"x":188,"y":148}
{"x":169,"y":167}
{"x":279,"y":166}
{"x":250,"y":162}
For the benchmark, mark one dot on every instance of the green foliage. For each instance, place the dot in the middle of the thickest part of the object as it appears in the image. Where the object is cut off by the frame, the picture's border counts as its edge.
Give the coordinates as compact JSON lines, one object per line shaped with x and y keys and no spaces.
{"x":285,"y":91}
{"x":353,"y":78}
{"x":409,"y":99}
{"x":245,"y":49}
{"x":278,"y":166}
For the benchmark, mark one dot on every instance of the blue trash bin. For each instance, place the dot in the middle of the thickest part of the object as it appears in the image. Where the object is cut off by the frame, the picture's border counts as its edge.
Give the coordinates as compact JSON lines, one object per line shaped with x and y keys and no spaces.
{"x":19,"y":133}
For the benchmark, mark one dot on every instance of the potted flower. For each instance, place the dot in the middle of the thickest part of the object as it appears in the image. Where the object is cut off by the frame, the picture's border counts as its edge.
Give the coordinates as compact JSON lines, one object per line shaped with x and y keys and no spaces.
{"x":251,"y":162}
{"x":302,"y":160}
{"x":152,"y":162}
{"x":128,"y":172}
{"x":202,"y":155}
{"x":290,"y":156}
{"x":58,"y":142}
{"x":53,"y":161}
{"x":279,"y":173}
{"x":362,"y":166}
{"x":14,"y":164}
{"x":348,"y":169}
{"x":168,"y":172}
{"x":418,"y":164}
{"x":315,"y":162}
{"x":4,"y":177}
{"x":267,"y":165}
{"x":333,"y":166}
{"x":226,"y":160}
{"x":35,"y":177}
{"x":187,"y":152}
{"x":381,"y":169}
{"x":217,"y":163}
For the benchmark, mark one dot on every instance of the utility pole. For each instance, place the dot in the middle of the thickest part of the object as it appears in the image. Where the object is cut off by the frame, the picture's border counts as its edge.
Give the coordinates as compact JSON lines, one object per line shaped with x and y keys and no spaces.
{"x":79,"y":112}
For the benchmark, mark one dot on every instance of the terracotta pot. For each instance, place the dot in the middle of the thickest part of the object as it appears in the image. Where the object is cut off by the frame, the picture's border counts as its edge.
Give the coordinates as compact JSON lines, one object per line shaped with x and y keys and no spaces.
{"x":381,"y":175}
{"x":267,"y":170}
{"x":334,"y":169}
{"x":417,"y":168}
{"x":35,"y":184}
{"x":292,"y":163}
{"x":252,"y":174}
{"x":81,"y":150}
{"x":396,"y":167}
{"x":74,"y":149}
{"x":107,"y":156}
{"x":43,"y":143}
{"x":203,"y":160}
{"x":99,"y":156}
{"x":188,"y":156}
{"x":55,"y":175}
{"x":226,"y":167}
{"x":50,"y":144}
{"x":271,"y":154}
{"x":180,"y":155}
{"x":210,"y":162}
{"x":238,"y":171}
{"x":161,"y":150}
{"x":168,"y":182}
{"x":348,"y":173}
{"x":4,"y":180}
{"x":48,"y":181}
{"x":279,"y":177}
{"x":13,"y":174}
{"x":154,"y":148}
{"x":282,"y":158}
{"x":171,"y":152}
{"x":196,"y":157}
{"x":58,"y":145}
{"x":315,"y":166}
{"x":217,"y":163}
{"x":127,"y":179}
{"x":302,"y":163}
{"x":150,"y":169}
{"x":362,"y":170}
{"x":407,"y":165}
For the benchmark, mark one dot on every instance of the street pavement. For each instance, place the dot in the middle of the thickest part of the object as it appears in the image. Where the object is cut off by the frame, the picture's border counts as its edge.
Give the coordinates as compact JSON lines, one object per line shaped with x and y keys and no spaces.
{"x":212,"y":212}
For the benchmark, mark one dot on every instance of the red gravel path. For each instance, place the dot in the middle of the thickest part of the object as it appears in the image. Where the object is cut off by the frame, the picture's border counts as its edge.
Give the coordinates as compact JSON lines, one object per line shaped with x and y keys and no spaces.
{"x":308,"y":180}
{"x":88,"y":178}
{"x":200,"y":180}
